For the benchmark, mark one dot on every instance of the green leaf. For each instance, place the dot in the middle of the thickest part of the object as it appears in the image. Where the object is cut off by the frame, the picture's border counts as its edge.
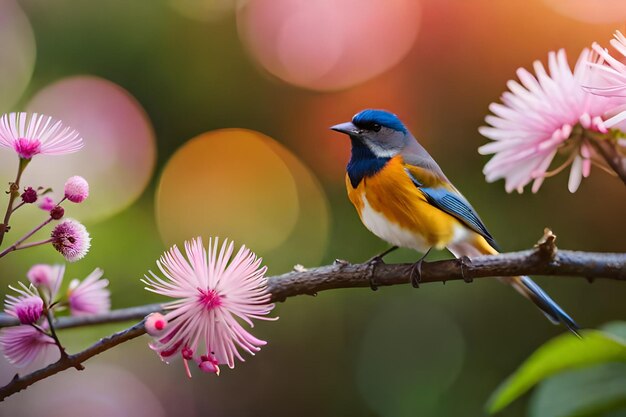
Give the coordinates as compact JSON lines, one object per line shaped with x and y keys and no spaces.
{"x":581,"y":393}
{"x":616,"y":328}
{"x":562,"y":353}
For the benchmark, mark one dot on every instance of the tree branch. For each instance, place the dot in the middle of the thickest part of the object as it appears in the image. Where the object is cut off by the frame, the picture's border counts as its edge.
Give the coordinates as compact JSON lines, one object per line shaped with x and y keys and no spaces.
{"x":544,"y":259}
{"x":71,"y":361}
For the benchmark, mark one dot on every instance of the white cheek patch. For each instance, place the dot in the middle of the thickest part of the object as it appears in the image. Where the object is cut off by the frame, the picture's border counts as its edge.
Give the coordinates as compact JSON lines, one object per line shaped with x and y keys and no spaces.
{"x":379,"y":151}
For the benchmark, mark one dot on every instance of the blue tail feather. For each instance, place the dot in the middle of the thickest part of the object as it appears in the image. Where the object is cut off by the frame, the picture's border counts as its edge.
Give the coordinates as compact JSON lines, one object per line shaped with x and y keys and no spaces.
{"x":550,"y":308}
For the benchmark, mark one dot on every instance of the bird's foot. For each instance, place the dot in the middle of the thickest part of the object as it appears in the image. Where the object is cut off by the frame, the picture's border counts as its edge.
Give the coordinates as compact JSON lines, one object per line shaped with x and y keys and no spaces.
{"x":373,"y":263}
{"x":379,"y":258}
{"x":416,"y":271}
{"x":465,"y":263}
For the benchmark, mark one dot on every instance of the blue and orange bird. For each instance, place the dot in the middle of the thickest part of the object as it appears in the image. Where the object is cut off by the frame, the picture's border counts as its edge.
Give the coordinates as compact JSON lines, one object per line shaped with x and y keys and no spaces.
{"x":404,"y":198}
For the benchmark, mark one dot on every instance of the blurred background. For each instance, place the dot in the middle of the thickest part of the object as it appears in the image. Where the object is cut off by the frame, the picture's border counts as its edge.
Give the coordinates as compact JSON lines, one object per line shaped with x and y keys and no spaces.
{"x":210,"y":117}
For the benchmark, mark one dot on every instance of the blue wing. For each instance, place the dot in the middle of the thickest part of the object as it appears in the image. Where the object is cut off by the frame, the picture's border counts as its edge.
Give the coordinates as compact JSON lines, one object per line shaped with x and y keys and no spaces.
{"x":455,"y":205}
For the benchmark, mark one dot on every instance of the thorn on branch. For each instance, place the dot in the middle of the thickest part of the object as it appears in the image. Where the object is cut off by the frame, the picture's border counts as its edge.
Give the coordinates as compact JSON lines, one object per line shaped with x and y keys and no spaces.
{"x":299,"y":268}
{"x":546,"y":246}
{"x":341,"y":262}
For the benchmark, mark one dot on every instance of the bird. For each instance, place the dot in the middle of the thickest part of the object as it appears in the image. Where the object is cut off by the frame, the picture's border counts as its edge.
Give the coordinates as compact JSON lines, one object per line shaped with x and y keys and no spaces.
{"x":403,"y":197}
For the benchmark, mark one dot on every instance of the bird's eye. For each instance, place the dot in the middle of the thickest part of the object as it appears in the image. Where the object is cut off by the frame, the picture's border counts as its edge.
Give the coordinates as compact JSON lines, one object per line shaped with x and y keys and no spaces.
{"x":376,"y":127}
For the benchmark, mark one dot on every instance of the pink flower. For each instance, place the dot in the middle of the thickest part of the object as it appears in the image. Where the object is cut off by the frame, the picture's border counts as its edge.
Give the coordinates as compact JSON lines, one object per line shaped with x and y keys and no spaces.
{"x":89,"y":296}
{"x":47,"y":278}
{"x":611,"y":79}
{"x":23,"y":345}
{"x":213,"y":291}
{"x":541,"y":116}
{"x":47,"y":204}
{"x":27,"y":306}
{"x":71,"y":239}
{"x":76,"y":189}
{"x":34,"y":134}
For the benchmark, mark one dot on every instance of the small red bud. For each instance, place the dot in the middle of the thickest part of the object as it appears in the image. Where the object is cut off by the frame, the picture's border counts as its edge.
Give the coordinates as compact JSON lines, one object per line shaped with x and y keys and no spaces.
{"x":29,"y":195}
{"x":57,"y":212}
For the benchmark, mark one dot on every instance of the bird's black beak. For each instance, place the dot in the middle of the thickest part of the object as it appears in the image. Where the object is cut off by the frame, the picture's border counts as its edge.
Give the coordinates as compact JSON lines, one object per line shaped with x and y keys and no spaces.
{"x":348,"y":128}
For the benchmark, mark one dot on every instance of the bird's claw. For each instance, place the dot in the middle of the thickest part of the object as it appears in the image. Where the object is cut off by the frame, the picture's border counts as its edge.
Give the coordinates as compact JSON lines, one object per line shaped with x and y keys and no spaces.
{"x":465,"y":262}
{"x":373,"y":263}
{"x":416,"y":270}
{"x":416,"y":273}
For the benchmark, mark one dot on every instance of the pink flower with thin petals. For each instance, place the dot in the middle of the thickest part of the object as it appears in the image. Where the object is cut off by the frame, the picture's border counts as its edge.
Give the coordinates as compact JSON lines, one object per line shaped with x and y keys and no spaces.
{"x":76,"y":189}
{"x":71,"y":239}
{"x":543,"y":115}
{"x":35,"y":134}
{"x":89,"y":296}
{"x":24,"y":345}
{"x":47,"y":278}
{"x":213,"y":293}
{"x":611,"y":80}
{"x":27,"y":306}
{"x":47,"y":204}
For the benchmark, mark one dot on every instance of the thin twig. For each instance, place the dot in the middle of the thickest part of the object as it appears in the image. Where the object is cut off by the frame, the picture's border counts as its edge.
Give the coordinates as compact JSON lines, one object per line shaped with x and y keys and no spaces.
{"x":609,"y":151}
{"x":19,"y":383}
{"x":544,"y":259}
{"x":14,"y":192}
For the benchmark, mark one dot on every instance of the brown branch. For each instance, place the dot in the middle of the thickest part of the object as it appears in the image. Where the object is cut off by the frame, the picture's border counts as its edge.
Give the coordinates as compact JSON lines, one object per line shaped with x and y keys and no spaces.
{"x":71,"y":361}
{"x":545,"y":259}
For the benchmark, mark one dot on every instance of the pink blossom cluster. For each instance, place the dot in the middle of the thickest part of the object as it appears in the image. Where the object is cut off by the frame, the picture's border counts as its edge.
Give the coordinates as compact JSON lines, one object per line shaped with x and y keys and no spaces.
{"x":555,"y":112}
{"x":35,"y":304}
{"x":36,"y":134}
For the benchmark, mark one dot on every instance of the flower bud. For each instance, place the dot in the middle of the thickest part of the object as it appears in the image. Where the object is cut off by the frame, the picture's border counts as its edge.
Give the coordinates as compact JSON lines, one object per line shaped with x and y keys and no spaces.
{"x":71,"y":239}
{"x":47,"y":204}
{"x":76,"y":189}
{"x":29,"y":195}
{"x":57,"y":212}
{"x":155,"y":324}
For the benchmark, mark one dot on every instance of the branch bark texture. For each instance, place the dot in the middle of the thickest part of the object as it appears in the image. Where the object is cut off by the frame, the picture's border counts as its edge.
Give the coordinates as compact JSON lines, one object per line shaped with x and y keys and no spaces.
{"x":544,"y":259}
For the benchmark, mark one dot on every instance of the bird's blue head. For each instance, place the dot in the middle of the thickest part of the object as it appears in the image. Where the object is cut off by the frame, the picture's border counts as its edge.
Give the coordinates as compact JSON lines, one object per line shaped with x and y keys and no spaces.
{"x":376,"y":119}
{"x":377,"y":136}
{"x":381,"y":132}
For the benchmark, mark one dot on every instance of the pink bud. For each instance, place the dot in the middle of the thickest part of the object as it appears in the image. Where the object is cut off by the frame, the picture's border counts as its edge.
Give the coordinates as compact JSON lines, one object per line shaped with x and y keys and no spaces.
{"x":187,"y":353}
{"x":41,"y":275}
{"x":57,"y":212}
{"x":155,"y":324}
{"x":27,"y":306}
{"x":208,"y":365}
{"x":76,"y":189}
{"x":29,"y":195}
{"x":71,"y":239}
{"x":47,"y":204}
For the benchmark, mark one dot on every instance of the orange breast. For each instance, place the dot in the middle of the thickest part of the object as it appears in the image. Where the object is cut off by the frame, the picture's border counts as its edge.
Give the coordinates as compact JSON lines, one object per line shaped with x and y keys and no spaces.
{"x":392,"y":194}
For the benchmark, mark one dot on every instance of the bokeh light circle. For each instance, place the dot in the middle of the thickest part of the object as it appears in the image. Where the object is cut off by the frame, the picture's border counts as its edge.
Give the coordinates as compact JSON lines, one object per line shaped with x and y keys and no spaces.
{"x":17,"y":53}
{"x":227,"y":183}
{"x":410,"y":355}
{"x":307,"y":243}
{"x":328,"y":44}
{"x":119,"y":154}
{"x":596,"y":11}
